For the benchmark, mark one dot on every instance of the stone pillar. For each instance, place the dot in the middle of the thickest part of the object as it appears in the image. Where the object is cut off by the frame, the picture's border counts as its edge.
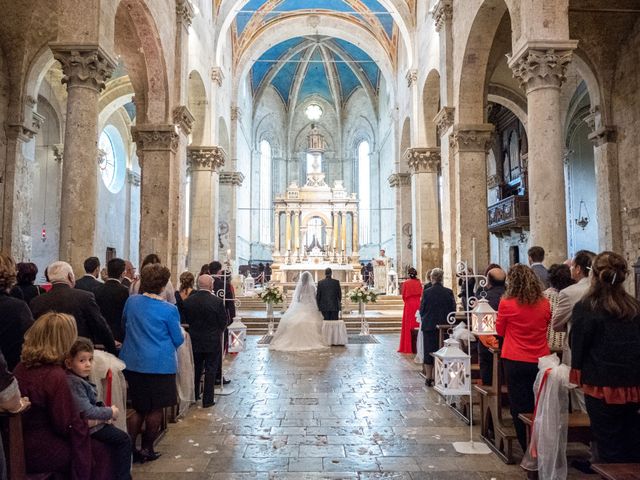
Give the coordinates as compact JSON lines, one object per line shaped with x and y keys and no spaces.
{"x":287,"y":235}
{"x":444,"y":122}
{"x":442,"y":13}
{"x":605,"y":148}
{"x":229,"y":183}
{"x":203,"y":164}
{"x":355,"y":246}
{"x":541,"y":71}
{"x":296,"y":230}
{"x":157,"y":146}
{"x":132,"y":229}
{"x":470,"y":145}
{"x":276,"y":233}
{"x":402,"y":183}
{"x":424,"y":164}
{"x":343,"y":232}
{"x":336,"y":232}
{"x":17,"y":181}
{"x":86,"y":69}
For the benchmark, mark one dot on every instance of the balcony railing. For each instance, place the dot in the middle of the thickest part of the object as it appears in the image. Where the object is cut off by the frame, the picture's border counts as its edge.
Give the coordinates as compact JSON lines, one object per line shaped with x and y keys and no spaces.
{"x":509,"y":213}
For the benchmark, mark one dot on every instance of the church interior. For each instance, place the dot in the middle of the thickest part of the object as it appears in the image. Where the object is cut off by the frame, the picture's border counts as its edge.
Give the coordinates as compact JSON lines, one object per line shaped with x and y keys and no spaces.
{"x":306,"y":134}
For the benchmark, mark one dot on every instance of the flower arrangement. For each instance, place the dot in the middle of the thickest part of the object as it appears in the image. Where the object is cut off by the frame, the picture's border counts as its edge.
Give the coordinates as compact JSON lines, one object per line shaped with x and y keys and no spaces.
{"x":362,"y":294}
{"x":271,"y":294}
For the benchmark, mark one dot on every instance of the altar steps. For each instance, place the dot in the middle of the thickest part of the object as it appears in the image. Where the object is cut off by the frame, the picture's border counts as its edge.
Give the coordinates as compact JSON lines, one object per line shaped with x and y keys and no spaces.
{"x":384,"y":302}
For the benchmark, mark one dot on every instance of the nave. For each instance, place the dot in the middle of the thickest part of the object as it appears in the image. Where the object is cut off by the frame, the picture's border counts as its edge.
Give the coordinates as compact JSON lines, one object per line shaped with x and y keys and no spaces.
{"x":355,"y":412}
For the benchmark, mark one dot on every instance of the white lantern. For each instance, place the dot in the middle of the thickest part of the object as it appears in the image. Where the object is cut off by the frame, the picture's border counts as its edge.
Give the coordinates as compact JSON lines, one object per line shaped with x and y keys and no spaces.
{"x":452,"y":369}
{"x":483,"y":318}
{"x":237,"y":336}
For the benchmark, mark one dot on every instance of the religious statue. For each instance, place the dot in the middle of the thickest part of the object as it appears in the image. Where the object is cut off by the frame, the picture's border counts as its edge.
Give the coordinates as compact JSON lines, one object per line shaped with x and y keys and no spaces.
{"x":380,"y":270}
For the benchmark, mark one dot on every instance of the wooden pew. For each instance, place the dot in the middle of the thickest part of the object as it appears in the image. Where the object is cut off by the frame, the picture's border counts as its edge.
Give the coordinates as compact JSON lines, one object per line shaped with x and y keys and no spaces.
{"x":496,"y":424}
{"x":579,"y":427}
{"x":617,"y":471}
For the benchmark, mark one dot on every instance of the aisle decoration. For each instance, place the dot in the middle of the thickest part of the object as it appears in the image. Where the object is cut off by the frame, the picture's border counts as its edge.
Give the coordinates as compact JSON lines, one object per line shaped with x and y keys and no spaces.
{"x":362,"y":295}
{"x":271,"y":296}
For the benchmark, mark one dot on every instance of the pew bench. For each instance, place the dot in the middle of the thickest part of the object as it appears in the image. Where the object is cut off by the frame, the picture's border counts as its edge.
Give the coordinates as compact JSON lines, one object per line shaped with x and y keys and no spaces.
{"x":579,"y":427}
{"x":617,"y":471}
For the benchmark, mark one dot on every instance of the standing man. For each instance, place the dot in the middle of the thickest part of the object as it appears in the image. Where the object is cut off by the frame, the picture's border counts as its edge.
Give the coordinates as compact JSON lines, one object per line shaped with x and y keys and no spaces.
{"x":437,"y":302}
{"x":89,"y":282}
{"x":111,"y":297}
{"x":222,"y":282}
{"x":329,"y":296}
{"x":207,"y":319}
{"x":536,"y":257}
{"x":380,"y":271}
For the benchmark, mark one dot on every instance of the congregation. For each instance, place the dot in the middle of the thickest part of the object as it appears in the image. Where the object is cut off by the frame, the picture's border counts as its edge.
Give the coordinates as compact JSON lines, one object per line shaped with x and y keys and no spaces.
{"x":579,"y":310}
{"x":48,"y":334}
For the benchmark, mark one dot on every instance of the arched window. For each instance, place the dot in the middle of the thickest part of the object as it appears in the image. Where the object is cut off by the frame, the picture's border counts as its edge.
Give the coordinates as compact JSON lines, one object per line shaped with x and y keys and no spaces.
{"x":111,"y":158}
{"x":265,"y":192}
{"x":364,"y":185}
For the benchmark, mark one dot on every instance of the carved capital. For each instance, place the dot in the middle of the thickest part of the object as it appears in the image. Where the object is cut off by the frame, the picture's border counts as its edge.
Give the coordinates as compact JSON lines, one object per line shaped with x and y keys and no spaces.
{"x":184,"y":12}
{"x":412,"y":77}
{"x":217,"y":75}
{"x":541,"y":66}
{"x":205,"y":158}
{"x":133,"y":178}
{"x":399,"y":180}
{"x":231,"y":178}
{"x":603,"y":135}
{"x":444,"y":120}
{"x":19,"y":131}
{"x":37,"y":121}
{"x":442,"y":13}
{"x":236,"y":113}
{"x":155,"y":137}
{"x":84,"y":65}
{"x":423,"y":160}
{"x":472,"y":138}
{"x":183,"y":118}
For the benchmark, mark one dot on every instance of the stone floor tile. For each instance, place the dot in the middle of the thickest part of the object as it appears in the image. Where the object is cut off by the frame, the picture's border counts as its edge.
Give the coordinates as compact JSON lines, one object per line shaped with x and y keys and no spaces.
{"x":322,"y":451}
{"x":395,"y":464}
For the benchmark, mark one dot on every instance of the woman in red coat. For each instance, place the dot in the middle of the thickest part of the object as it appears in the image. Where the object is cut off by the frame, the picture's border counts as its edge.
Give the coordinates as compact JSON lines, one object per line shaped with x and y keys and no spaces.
{"x":411,"y":293}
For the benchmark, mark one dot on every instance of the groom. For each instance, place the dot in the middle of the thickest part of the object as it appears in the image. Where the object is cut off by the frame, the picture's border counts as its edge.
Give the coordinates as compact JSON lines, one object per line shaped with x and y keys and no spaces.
{"x":329,"y":296}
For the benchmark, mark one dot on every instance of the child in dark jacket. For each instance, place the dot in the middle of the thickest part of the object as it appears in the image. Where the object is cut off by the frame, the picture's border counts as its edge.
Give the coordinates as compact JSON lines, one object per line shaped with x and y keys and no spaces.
{"x":100,"y":417}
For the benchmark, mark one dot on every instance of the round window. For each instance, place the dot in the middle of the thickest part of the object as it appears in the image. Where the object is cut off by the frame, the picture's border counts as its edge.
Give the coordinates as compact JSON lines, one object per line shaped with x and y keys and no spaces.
{"x":313,"y":112}
{"x":111,"y":158}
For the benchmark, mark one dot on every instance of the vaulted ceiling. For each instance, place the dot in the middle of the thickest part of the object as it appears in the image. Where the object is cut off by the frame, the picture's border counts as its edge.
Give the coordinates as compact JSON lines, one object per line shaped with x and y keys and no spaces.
{"x":306,"y":66}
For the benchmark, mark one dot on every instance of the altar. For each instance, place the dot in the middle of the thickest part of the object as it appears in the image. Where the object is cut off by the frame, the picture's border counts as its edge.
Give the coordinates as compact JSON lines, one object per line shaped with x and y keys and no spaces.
{"x":344,"y":273}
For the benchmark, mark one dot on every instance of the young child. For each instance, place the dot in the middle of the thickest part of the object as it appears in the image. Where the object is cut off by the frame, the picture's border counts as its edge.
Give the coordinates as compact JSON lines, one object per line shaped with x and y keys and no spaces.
{"x":78,"y":363}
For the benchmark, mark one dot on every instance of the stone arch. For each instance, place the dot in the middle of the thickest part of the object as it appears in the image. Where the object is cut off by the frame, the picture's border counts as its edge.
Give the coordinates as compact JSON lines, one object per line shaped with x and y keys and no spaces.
{"x":431,"y":107}
{"x":197,"y":102}
{"x":138,"y":43}
{"x":119,"y":92}
{"x":471,"y":93}
{"x":313,"y":214}
{"x":223,"y":135}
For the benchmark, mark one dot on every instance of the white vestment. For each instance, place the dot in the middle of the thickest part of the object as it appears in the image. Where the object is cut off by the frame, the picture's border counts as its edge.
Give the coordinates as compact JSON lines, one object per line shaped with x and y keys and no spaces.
{"x":380,"y":271}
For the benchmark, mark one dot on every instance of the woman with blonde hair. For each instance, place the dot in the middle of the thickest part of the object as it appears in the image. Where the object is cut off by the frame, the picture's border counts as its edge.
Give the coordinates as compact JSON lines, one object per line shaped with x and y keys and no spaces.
{"x":605,"y":348}
{"x":523,"y":317}
{"x":56,"y":438}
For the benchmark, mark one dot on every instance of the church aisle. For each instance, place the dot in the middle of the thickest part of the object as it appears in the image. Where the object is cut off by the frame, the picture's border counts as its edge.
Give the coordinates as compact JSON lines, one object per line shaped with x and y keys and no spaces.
{"x":360,"y":412}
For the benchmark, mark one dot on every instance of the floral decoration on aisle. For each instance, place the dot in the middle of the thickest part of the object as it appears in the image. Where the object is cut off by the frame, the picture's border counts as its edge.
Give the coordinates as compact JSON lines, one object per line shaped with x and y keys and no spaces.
{"x":271,"y":294}
{"x":362,"y":294}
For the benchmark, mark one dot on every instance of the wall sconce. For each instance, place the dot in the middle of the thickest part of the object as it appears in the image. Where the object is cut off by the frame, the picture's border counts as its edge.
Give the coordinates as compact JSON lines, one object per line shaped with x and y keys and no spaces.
{"x":583,"y":220}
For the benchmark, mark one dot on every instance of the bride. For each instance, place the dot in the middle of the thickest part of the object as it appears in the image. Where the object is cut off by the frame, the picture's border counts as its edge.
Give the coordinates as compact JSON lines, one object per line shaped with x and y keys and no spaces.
{"x":300,"y":328}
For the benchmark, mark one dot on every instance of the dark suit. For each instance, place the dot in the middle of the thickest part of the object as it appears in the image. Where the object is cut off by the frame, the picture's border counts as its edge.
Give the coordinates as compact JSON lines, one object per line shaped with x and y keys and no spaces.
{"x":437,"y":302}
{"x":15,"y":320}
{"x":88,"y":283}
{"x":542,"y":273}
{"x":207,"y":319}
{"x":111,"y":297}
{"x":82,"y":305}
{"x":229,"y":306}
{"x":329,"y":298}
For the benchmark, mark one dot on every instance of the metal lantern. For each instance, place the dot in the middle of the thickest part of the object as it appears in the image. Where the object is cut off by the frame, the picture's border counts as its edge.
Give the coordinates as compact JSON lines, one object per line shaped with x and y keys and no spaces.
{"x":237,"y":336}
{"x":483,"y":318}
{"x":452,"y":369}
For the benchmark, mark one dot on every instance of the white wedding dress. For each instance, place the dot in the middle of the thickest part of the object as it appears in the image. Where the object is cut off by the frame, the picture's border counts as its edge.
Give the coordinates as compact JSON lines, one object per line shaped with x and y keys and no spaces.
{"x":300,"y":328}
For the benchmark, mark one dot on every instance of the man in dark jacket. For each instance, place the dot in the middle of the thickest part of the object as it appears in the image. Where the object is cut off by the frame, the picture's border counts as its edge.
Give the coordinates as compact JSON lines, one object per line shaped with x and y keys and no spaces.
{"x":92,"y":269}
{"x":329,"y":296}
{"x":222,"y":283}
{"x":15,"y":320}
{"x":63,"y":298}
{"x":111,"y":297}
{"x":494,"y":291}
{"x":437,"y":302}
{"x":207,"y":319}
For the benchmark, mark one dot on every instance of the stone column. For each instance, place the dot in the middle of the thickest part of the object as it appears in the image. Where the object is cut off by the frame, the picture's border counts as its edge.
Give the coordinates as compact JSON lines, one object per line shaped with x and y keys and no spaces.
{"x":227,"y":206}
{"x":336,"y":232}
{"x":402,"y":183}
{"x":343,"y":232}
{"x":17,"y":182}
{"x":470,"y":145}
{"x":276,"y":233}
{"x":296,"y":230}
{"x":203,"y":163}
{"x":157,"y":146}
{"x":605,"y":148}
{"x":355,"y":247}
{"x":86,"y":69}
{"x":287,"y":235}
{"x":424,"y":164}
{"x":132,"y":230}
{"x":442,"y":13}
{"x":541,"y":71}
{"x":444,"y":122}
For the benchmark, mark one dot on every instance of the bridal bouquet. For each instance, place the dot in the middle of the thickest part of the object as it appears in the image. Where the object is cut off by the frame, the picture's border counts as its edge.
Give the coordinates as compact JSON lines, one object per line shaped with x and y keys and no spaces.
{"x":271,"y":295}
{"x":362,"y":294}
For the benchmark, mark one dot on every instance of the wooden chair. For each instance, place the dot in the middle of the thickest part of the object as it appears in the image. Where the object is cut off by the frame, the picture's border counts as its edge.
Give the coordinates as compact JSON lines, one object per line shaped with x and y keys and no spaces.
{"x":579,"y":427}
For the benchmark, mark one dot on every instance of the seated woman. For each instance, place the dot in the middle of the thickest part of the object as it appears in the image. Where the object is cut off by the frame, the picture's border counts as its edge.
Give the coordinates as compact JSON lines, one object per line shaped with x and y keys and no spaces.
{"x":56,"y":438}
{"x":25,"y":277}
{"x":152,"y":335}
